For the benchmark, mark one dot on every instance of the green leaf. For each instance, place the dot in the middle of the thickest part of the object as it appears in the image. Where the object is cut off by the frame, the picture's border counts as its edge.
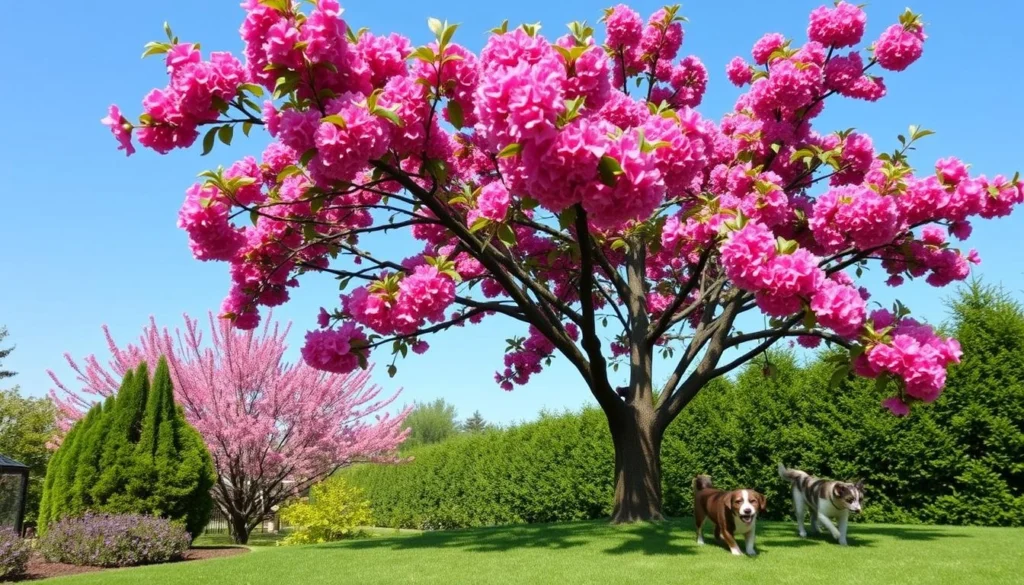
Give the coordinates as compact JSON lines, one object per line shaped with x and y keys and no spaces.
{"x":448,"y":33}
{"x":392,"y":370}
{"x":307,"y":156}
{"x":154,"y":48}
{"x":839,"y":376}
{"x":309,"y":232}
{"x":424,"y":54}
{"x":254,"y":216}
{"x":167,"y":31}
{"x":252,"y":88}
{"x":435,"y":26}
{"x":455,"y":114}
{"x":567,"y":218}
{"x":528,"y":203}
{"x":288,"y":171}
{"x":619,"y":245}
{"x":510,"y":150}
{"x":208,"y":140}
{"x":506,"y":235}
{"x":335,"y":119}
{"x":479,"y":224}
{"x":809,"y":320}
{"x":389,"y":116}
{"x":609,"y":168}
{"x":226,"y":132}
{"x":246,"y":127}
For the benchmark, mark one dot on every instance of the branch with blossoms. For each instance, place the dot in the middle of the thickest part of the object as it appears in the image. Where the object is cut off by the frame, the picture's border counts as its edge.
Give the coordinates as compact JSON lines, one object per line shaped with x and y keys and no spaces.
{"x":538,"y":189}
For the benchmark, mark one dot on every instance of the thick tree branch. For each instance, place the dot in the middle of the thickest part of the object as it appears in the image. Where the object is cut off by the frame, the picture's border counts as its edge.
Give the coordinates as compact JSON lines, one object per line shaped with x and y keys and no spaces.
{"x":666,"y":320}
{"x":600,"y":387}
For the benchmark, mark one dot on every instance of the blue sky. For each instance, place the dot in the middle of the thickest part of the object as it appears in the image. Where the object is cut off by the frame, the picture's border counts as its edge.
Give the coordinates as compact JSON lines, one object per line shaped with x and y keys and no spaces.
{"x":89,"y":237}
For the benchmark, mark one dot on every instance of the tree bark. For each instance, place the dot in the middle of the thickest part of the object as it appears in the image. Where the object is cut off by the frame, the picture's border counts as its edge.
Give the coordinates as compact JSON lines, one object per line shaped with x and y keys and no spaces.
{"x":637,"y":439}
{"x":239,"y":528}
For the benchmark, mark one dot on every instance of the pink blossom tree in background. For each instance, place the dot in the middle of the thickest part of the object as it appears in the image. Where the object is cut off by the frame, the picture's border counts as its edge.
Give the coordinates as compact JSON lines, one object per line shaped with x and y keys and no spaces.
{"x":273,"y":428}
{"x":571,"y":186}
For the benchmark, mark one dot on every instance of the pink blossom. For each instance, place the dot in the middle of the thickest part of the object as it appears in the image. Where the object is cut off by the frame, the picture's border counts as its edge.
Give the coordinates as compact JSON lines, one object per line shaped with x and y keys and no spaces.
{"x":899,"y":46}
{"x":747,"y":256}
{"x":840,"y":308}
{"x":334,"y":350}
{"x":323,"y":319}
{"x":121,"y":129}
{"x":767,"y":45}
{"x":420,"y":347}
{"x":204,"y":215}
{"x":494,"y":201}
{"x":842,"y":26}
{"x":739,"y":72}
{"x":896,"y":406}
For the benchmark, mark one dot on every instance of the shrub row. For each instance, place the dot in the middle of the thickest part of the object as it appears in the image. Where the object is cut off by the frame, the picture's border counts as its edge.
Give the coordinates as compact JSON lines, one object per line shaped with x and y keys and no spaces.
{"x":958,"y":461}
{"x":114,"y":540}
{"x":14,"y":553}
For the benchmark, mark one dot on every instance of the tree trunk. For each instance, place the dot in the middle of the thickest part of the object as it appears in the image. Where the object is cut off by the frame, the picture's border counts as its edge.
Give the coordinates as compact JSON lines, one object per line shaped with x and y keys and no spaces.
{"x":239,"y":528}
{"x":637,"y":440}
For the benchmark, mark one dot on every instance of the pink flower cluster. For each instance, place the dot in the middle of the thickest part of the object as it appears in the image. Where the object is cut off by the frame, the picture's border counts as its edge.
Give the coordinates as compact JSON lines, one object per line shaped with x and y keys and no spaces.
{"x":842,"y":26}
{"x":788,"y":284}
{"x":422,"y":296}
{"x":334,"y":350}
{"x":522,"y":363}
{"x":855,"y":215}
{"x":913,"y":354}
{"x":899,"y":46}
{"x":197,"y":91}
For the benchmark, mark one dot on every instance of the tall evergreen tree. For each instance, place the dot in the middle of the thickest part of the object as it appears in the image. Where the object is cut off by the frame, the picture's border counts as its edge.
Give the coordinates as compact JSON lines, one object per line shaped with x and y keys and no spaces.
{"x":87,"y":472}
{"x":4,"y":352}
{"x":475,"y":423}
{"x":119,"y":446}
{"x":134,"y":454}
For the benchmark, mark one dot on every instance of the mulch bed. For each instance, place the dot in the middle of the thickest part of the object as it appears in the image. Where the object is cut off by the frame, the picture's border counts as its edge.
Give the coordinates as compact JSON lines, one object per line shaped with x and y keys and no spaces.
{"x":40,"y":568}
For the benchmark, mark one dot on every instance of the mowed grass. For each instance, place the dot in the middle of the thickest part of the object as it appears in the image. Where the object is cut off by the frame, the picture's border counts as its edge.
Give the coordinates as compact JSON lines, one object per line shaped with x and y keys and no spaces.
{"x":598,"y":553}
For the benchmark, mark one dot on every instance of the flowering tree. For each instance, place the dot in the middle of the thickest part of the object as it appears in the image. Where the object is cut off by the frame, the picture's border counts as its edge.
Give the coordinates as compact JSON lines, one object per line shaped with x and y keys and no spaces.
{"x":570,"y":185}
{"x":272,"y":428}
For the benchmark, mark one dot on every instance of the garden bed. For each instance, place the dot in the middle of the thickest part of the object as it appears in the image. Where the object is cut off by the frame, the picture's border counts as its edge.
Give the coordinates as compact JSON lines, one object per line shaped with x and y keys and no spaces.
{"x":40,"y":568}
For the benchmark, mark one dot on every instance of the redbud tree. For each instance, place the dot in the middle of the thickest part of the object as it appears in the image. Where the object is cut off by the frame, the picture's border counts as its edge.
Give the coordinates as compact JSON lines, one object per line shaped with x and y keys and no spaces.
{"x":273,"y":428}
{"x":569,"y":184}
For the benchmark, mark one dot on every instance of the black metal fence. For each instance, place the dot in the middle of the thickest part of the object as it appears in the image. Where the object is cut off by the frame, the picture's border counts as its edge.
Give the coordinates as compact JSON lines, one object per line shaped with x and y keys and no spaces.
{"x":218,"y":524}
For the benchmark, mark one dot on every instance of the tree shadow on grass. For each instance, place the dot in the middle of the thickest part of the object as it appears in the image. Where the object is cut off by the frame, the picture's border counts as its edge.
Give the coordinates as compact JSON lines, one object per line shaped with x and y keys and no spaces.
{"x":859,"y":535}
{"x":664,"y":538}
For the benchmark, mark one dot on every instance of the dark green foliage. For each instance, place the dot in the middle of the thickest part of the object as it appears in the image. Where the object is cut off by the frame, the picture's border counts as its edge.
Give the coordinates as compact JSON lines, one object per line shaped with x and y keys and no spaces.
{"x":430,"y":422}
{"x":26,"y":427}
{"x":135,"y":454}
{"x":555,"y":469}
{"x":957,"y":461}
{"x":4,"y":352}
{"x":475,"y":423}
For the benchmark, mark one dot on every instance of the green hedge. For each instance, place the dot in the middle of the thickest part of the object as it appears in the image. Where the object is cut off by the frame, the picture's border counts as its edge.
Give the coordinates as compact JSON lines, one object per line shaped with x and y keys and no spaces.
{"x":958,"y":461}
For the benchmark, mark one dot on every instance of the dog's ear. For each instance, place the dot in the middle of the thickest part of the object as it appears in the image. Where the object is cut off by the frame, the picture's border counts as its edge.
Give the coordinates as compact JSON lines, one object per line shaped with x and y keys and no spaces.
{"x":762,"y":503}
{"x":839,"y":490}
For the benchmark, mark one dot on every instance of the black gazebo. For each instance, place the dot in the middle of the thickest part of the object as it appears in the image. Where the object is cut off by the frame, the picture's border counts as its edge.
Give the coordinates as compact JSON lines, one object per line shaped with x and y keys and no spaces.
{"x":13,"y":493}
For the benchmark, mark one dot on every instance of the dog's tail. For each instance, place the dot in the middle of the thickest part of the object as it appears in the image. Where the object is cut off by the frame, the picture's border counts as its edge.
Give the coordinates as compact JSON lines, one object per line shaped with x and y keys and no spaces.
{"x":701,"y":482}
{"x":790,"y":475}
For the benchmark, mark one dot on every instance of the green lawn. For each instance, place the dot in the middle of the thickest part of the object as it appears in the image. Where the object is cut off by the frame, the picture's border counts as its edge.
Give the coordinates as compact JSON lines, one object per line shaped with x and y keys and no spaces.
{"x":595,"y":552}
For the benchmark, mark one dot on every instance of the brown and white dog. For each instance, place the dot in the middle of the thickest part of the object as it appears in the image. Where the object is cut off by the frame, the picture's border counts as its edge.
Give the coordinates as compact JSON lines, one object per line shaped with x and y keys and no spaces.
{"x":732,"y":512}
{"x":827,"y":499}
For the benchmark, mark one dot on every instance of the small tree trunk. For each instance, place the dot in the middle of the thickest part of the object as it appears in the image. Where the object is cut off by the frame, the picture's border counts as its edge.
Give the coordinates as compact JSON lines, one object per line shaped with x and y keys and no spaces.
{"x":239,"y":529}
{"x":637,"y":442}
